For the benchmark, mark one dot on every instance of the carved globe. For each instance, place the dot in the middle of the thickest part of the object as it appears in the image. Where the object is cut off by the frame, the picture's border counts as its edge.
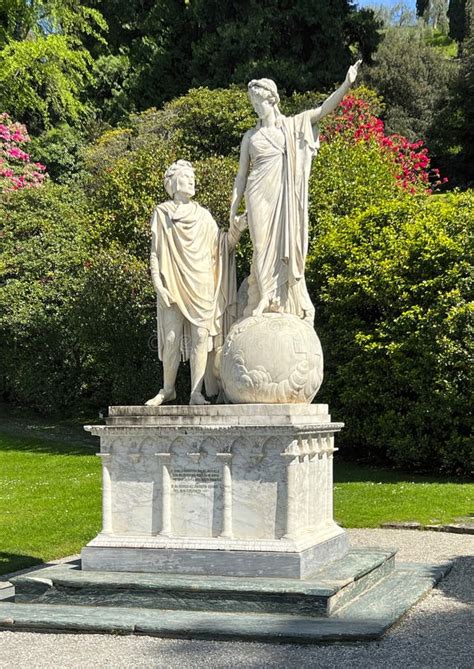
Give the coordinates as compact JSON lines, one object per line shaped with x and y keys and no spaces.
{"x":271,"y":359}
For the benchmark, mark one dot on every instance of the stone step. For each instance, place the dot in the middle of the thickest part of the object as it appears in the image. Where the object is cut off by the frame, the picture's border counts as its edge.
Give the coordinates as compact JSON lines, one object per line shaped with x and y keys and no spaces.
{"x":367,"y":617}
{"x":7,"y":591}
{"x":329,"y":589}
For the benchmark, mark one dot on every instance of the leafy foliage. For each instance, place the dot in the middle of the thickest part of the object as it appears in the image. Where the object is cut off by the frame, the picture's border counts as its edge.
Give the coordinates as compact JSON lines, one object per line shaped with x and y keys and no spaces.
{"x":170,"y":46}
{"x":303,"y":44}
{"x":44,"y":63}
{"x":464,"y":111}
{"x":457,"y":15}
{"x":355,"y":122}
{"x":392,"y":289}
{"x":113,"y":317}
{"x":43,"y":248}
{"x":209,"y":122}
{"x":413,"y":80}
{"x":60,"y":148}
{"x":41,"y":80}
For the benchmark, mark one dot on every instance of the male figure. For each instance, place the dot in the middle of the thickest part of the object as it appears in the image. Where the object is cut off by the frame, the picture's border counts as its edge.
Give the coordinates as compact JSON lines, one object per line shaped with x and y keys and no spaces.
{"x":193,"y":271}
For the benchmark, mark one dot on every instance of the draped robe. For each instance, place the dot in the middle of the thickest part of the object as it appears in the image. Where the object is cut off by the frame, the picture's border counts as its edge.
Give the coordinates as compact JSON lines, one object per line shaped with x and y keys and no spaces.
{"x":196,"y":264}
{"x":277,"y":204}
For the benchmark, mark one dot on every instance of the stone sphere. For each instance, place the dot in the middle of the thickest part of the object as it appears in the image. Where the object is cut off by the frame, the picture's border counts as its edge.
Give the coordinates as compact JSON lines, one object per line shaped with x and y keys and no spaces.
{"x":271,"y":359}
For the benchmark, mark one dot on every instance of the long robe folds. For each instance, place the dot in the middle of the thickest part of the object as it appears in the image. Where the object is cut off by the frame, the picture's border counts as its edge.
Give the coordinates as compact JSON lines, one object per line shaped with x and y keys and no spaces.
{"x":196,"y":264}
{"x":277,"y":202}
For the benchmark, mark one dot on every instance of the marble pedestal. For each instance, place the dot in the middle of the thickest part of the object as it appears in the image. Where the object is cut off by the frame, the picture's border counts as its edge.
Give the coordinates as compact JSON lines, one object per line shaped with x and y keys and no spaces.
{"x":235,"y":490}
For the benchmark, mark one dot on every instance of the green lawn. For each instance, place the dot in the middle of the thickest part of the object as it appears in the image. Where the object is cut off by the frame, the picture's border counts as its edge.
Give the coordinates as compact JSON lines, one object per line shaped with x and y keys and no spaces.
{"x":368,"y":497}
{"x":50,"y":498}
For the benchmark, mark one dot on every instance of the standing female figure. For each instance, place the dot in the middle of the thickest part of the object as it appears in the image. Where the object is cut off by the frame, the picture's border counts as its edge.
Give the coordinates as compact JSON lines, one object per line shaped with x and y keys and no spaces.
{"x":274,"y":168}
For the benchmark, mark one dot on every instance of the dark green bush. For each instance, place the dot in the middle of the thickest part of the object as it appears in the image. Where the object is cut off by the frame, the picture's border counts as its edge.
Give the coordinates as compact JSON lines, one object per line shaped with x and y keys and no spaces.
{"x":114,"y":318}
{"x":391,"y":288}
{"x":44,"y":246}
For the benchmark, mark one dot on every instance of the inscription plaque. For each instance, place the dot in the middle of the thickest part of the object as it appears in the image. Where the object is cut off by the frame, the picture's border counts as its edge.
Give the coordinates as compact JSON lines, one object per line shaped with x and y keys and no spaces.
{"x":189,"y":480}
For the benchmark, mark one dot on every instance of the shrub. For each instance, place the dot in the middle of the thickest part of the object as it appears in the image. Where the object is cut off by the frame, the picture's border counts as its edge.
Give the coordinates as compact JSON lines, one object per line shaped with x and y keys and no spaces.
{"x":124,"y":193}
{"x":209,"y":122}
{"x":355,"y":122}
{"x":44,"y":245}
{"x":114,"y":319}
{"x":387,"y":270}
{"x":391,"y":288}
{"x":17,"y":171}
{"x":59,"y":148}
{"x":346,"y":179}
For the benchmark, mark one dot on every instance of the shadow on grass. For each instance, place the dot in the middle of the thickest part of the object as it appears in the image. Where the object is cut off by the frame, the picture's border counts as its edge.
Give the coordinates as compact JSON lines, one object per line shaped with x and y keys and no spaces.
{"x":12,"y":562}
{"x":9,"y":442}
{"x":350,"y":472}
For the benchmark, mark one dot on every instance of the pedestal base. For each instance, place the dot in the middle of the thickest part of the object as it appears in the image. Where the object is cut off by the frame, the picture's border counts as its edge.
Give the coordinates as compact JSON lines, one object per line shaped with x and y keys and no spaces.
{"x":238,"y":558}
{"x":241,"y":490}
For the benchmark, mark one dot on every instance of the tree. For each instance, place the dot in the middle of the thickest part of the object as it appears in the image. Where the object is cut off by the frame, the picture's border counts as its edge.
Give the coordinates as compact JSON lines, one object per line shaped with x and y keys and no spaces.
{"x":303,"y":45}
{"x":171,"y":46}
{"x":41,"y":80}
{"x":44,"y":66}
{"x":414,"y":79}
{"x":457,"y":20}
{"x":433,"y":13}
{"x":421,"y":7}
{"x":465,"y":103}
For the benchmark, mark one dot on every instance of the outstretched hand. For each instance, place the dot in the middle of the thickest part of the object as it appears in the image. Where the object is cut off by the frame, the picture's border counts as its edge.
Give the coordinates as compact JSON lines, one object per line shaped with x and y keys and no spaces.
{"x":352,"y":72}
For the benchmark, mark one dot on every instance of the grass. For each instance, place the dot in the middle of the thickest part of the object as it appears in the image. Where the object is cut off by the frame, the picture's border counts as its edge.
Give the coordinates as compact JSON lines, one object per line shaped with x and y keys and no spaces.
{"x":368,"y":497}
{"x":50,"y":493}
{"x":443,"y":43}
{"x":50,"y":500}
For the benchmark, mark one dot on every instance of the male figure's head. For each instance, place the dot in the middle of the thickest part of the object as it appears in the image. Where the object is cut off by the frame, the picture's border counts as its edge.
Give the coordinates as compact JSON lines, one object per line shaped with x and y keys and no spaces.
{"x":179,"y":180}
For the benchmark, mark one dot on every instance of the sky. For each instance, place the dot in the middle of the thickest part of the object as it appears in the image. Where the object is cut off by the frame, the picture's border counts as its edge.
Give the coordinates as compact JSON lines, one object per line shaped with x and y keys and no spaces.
{"x":386,"y":3}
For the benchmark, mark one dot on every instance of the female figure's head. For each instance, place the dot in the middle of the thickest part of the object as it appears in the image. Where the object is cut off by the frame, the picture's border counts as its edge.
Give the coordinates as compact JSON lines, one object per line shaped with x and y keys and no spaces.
{"x":263,"y":94}
{"x":179,"y":178}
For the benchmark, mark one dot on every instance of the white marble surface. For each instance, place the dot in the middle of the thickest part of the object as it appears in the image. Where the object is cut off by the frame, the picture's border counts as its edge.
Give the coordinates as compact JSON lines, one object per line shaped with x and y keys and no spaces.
{"x":193,"y":271}
{"x":257,"y":487}
{"x":273,"y":358}
{"x":273,"y":175}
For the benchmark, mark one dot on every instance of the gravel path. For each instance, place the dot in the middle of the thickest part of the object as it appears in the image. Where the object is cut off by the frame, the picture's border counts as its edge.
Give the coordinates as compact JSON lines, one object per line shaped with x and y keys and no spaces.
{"x":436,"y":633}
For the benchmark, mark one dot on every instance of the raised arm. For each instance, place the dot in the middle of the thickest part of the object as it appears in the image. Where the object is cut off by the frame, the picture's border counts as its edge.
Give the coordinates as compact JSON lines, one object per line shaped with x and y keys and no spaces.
{"x":330,"y":104}
{"x":241,"y":178}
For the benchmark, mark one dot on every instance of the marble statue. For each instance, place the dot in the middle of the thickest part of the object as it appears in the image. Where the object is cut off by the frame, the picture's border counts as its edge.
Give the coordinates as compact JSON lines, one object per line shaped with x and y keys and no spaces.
{"x":193,"y":272}
{"x":274,"y":168}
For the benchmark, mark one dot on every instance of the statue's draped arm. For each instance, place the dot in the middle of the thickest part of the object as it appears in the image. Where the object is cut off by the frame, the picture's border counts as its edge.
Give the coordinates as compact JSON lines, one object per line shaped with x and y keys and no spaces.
{"x":163,"y":294}
{"x":241,"y":178}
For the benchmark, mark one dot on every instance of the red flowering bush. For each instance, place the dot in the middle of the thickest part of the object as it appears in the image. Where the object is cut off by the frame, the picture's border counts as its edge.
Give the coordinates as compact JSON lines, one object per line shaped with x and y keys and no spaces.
{"x":16,"y":168}
{"x":355,"y":121}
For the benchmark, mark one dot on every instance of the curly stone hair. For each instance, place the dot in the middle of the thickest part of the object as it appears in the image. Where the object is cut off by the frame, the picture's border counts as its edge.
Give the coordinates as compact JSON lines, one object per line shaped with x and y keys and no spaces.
{"x":171,"y":173}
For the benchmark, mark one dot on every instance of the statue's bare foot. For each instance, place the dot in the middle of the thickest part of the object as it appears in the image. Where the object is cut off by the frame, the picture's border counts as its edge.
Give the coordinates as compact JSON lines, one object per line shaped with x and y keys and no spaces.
{"x":261,"y":306}
{"x":198,"y":398}
{"x":163,"y":396}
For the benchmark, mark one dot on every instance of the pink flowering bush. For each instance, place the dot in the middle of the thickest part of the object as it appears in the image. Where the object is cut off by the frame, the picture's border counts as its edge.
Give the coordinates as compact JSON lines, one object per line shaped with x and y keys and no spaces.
{"x":17,"y":171}
{"x":355,"y":121}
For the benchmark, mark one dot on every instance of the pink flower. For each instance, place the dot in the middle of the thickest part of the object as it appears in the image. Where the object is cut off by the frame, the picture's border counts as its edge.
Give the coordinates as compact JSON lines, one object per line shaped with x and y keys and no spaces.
{"x":15,"y":152}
